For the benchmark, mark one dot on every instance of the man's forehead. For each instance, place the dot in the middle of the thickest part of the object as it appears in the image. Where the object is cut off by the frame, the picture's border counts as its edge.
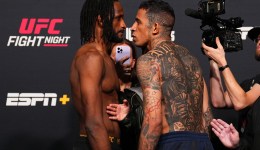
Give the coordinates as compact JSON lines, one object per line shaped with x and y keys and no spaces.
{"x":141,"y":11}
{"x":118,"y":8}
{"x":141,"y":14}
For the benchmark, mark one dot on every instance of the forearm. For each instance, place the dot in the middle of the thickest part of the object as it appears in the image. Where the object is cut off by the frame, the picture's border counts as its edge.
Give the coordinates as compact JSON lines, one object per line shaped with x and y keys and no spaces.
{"x":152,"y":123}
{"x":98,"y":137}
{"x":216,"y":88}
{"x":96,"y":130}
{"x":95,"y":127}
{"x":207,"y":115}
{"x":236,"y":93}
{"x":149,"y":136}
{"x":207,"y":118}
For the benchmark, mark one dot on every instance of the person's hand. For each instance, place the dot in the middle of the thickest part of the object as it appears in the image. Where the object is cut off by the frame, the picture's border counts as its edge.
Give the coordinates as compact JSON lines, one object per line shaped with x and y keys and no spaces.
{"x":226,"y":133}
{"x":118,"y":112}
{"x":123,"y":69}
{"x":218,"y":54}
{"x":123,"y":60}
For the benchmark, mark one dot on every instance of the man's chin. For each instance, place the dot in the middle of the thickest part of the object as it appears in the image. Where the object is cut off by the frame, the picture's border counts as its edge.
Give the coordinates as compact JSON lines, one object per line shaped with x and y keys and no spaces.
{"x":138,"y":44}
{"x":117,"y":39}
{"x":257,"y":54}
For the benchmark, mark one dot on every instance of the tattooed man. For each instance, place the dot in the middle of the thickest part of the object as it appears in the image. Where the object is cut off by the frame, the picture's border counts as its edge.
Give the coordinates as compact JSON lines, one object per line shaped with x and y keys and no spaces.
{"x":176,"y":110}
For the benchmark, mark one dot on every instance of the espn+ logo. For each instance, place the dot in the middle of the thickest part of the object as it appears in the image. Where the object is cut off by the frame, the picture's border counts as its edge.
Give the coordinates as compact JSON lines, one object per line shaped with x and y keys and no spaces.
{"x":33,"y":99}
{"x":31,"y":28}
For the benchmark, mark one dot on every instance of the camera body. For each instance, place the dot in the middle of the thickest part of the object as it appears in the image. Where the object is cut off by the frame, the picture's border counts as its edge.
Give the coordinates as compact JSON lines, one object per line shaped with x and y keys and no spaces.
{"x":213,"y":26}
{"x":230,"y":40}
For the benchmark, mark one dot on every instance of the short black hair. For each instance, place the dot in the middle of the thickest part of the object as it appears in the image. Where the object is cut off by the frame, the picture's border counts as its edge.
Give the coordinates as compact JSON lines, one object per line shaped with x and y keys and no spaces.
{"x":160,"y":12}
{"x":254,"y":33}
{"x":89,"y":14}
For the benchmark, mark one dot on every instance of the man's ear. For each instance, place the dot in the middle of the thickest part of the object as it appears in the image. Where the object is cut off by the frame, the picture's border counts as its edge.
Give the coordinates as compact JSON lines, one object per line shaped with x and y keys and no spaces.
{"x":156,"y":28}
{"x":99,"y":20}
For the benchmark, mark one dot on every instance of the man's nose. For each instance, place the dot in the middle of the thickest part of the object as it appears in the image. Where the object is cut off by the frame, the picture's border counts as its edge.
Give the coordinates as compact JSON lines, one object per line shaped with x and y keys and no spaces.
{"x":123,"y":25}
{"x":133,"y":27}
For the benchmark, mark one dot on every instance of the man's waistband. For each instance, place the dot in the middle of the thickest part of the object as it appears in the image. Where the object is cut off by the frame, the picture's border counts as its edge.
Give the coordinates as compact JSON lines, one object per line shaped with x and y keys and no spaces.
{"x":184,"y":136}
{"x":112,"y":139}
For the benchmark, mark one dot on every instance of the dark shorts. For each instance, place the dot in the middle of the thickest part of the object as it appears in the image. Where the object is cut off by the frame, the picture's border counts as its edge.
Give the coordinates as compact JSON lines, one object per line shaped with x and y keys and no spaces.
{"x":184,"y":140}
{"x":82,"y":143}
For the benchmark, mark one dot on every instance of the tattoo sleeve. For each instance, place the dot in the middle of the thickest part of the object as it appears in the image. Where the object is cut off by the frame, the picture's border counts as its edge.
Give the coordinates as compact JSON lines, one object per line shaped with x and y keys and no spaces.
{"x":148,"y":72}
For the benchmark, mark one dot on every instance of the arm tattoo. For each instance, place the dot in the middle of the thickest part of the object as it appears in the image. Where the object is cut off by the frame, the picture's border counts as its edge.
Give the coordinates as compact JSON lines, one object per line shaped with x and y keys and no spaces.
{"x":148,"y":72}
{"x":207,"y":118}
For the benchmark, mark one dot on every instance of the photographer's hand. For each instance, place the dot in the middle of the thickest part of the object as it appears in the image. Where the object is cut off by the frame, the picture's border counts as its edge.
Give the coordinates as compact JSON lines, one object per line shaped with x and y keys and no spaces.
{"x":123,"y":69}
{"x":218,"y":54}
{"x":123,"y":60}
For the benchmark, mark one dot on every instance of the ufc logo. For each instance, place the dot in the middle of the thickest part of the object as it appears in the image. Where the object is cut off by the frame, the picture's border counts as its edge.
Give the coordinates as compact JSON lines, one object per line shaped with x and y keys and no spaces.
{"x":35,"y":26}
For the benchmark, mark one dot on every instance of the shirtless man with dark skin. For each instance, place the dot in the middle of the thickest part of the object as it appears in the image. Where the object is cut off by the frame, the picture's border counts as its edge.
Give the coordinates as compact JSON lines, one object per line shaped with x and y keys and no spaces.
{"x":176,"y":107}
{"x":93,"y":77}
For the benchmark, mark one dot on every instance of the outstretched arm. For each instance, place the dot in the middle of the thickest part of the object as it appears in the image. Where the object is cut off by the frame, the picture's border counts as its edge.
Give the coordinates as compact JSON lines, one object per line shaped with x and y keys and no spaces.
{"x":238,"y":96}
{"x":90,"y":68}
{"x":148,"y":72}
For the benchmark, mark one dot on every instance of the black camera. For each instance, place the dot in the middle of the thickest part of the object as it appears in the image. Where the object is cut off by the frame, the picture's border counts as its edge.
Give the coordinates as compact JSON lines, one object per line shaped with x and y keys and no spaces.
{"x":213,"y":26}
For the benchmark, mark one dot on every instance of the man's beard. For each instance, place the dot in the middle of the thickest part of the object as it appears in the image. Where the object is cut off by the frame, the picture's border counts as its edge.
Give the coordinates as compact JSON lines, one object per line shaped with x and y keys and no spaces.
{"x":257,"y":57}
{"x":115,"y":38}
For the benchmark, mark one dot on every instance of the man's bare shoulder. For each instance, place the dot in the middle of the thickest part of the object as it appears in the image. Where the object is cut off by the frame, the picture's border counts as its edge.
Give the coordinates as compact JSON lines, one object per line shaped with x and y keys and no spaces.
{"x":147,"y":58}
{"x":148,"y":68}
{"x":185,"y":53}
{"x":181,"y":49}
{"x":88,"y":54}
{"x":148,"y":62}
{"x":89,"y":49}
